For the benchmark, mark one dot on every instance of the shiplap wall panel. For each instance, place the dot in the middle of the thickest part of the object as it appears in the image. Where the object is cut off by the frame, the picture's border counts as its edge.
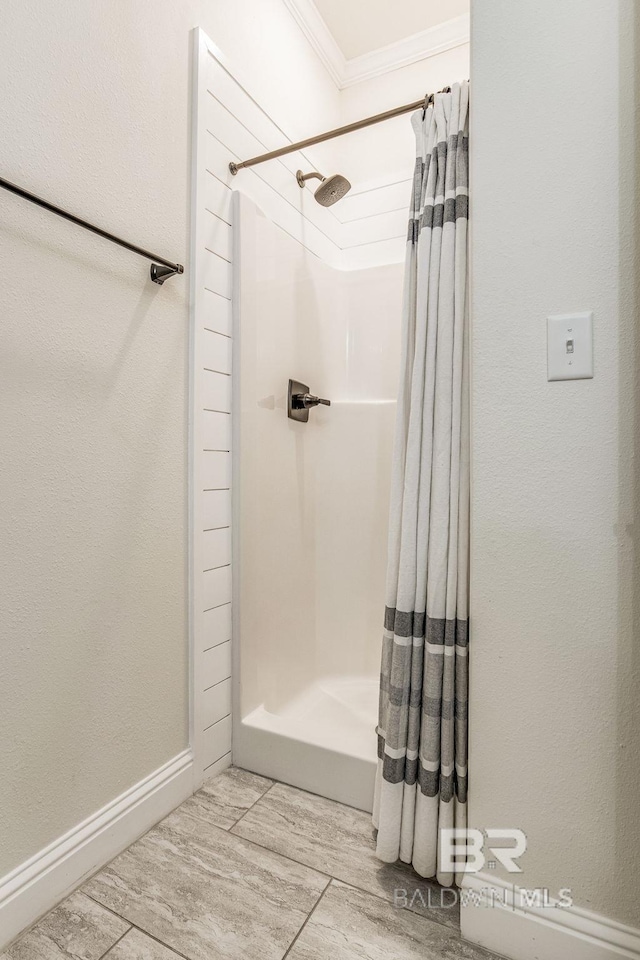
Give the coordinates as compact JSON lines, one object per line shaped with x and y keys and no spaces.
{"x":217,"y":632}
{"x":217,"y":666}
{"x":268,"y":195}
{"x":239,"y":102}
{"x":216,"y":313}
{"x":216,"y":703}
{"x":367,"y":228}
{"x":216,"y":742}
{"x":216,"y":273}
{"x":218,"y":236}
{"x":374,"y":215}
{"x":382,"y":198}
{"x":216,"y":510}
{"x":380,"y":226}
{"x":219,"y":766}
{"x":362,"y":210}
{"x":216,"y":391}
{"x":216,"y":587}
{"x":216,"y":430}
{"x":217,"y":198}
{"x":216,"y":548}
{"x":376,"y":254}
{"x":216,"y":352}
{"x":231,"y":140}
{"x":263,"y":135}
{"x":216,"y":469}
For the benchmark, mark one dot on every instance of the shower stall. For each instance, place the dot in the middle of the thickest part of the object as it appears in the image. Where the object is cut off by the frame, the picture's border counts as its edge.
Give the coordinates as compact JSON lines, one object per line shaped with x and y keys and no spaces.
{"x":310,"y":508}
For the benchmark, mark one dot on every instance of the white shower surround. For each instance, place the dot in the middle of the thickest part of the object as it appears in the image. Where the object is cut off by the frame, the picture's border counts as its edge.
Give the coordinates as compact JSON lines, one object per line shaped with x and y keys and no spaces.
{"x":310,"y":508}
{"x":365,"y":229}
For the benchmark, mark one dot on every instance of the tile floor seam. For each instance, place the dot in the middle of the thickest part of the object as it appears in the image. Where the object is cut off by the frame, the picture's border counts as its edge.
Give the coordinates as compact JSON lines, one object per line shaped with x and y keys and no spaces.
{"x":153,"y":937}
{"x":346,"y":883}
{"x":254,"y":843}
{"x":71,"y":893}
{"x":415,"y":913}
{"x":213,"y":826}
{"x":249,"y":809}
{"x":128,"y":930}
{"x":261,"y":846}
{"x":134,"y":926}
{"x":285,"y":783}
{"x":456,"y":935}
{"x":306,"y":921}
{"x":300,"y":863}
{"x":108,"y":909}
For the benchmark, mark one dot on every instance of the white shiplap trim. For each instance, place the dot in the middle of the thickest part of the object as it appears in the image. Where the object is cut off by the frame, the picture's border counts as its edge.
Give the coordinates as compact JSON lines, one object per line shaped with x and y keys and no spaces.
{"x":345,"y":72}
{"x":229,"y":122}
{"x":540,"y":933}
{"x":37,"y":885}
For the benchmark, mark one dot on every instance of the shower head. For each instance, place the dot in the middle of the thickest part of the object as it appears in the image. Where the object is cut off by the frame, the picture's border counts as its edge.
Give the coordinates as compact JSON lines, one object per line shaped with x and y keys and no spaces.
{"x":331,"y":188}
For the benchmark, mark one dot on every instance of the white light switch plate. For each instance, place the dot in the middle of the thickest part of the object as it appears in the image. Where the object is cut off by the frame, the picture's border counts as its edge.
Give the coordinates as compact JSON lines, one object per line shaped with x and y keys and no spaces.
{"x":570,"y":346}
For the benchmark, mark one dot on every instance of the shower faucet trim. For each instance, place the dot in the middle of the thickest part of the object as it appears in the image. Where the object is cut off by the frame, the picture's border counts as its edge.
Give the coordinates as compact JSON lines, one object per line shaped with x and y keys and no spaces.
{"x":300,"y":401}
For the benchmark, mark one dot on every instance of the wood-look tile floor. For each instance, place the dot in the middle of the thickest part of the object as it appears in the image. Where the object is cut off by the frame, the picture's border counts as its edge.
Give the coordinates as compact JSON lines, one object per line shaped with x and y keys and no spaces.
{"x":248,"y":869}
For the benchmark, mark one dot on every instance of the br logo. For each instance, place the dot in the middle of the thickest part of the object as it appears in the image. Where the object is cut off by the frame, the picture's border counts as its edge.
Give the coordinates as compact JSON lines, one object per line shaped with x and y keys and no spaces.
{"x":463,"y":850}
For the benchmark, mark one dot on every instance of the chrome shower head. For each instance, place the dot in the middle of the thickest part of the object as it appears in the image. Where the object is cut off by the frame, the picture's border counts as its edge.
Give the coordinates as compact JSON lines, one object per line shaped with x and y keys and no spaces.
{"x":331,"y":188}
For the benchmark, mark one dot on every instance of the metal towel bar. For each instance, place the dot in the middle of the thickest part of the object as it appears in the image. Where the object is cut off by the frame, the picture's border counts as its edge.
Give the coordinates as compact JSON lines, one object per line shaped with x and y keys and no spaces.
{"x":161,"y":269}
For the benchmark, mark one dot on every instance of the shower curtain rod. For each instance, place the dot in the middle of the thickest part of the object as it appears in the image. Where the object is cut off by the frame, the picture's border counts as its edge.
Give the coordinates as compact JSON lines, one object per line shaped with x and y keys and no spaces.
{"x":160,"y":270}
{"x":338,"y":132}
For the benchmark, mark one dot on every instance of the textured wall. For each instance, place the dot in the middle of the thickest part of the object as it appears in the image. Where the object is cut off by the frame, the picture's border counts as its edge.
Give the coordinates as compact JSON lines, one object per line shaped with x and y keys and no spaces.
{"x":555,"y":715}
{"x":93,"y":388}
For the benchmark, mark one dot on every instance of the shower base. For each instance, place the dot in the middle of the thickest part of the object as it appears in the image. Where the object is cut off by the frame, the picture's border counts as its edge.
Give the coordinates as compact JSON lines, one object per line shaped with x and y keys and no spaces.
{"x":323,"y":741}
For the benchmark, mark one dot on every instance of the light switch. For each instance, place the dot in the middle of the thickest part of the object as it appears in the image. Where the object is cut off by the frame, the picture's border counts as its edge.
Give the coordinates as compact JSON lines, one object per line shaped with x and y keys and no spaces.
{"x":570,"y":346}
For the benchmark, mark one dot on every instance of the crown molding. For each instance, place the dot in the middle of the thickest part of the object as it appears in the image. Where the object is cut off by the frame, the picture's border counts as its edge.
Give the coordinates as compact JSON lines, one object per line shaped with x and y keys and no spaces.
{"x":419,"y":46}
{"x":312,"y":24}
{"x":345,"y":73}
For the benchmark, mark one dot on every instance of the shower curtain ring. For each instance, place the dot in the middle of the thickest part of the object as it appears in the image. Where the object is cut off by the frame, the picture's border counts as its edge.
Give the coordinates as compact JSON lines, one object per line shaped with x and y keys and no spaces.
{"x":429,"y":99}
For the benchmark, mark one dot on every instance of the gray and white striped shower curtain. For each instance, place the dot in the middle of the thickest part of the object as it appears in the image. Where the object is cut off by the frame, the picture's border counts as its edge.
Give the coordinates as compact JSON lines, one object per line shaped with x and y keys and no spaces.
{"x":421,"y":783}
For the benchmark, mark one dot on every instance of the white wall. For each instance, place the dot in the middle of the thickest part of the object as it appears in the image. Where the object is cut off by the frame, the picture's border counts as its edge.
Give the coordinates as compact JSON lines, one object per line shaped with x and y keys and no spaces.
{"x":93,"y":501}
{"x":555,"y":670}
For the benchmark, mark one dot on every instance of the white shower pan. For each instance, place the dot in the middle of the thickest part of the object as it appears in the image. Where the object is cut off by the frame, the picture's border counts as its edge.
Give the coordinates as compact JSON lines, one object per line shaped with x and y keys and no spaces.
{"x":321,"y":741}
{"x":310,"y":509}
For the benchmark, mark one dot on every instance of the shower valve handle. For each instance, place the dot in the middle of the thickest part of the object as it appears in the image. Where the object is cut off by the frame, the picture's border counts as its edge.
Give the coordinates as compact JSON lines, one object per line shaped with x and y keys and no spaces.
{"x":308,"y":400}
{"x":300,"y":401}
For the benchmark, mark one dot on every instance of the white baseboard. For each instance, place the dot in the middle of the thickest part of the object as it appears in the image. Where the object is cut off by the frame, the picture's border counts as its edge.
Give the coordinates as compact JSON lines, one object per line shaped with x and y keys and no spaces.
{"x":36,"y":886}
{"x":523,"y":932}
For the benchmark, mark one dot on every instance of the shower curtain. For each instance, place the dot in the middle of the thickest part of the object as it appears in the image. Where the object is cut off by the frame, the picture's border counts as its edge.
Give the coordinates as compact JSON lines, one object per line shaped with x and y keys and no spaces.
{"x":421,"y":783}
